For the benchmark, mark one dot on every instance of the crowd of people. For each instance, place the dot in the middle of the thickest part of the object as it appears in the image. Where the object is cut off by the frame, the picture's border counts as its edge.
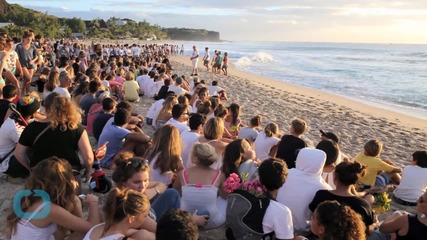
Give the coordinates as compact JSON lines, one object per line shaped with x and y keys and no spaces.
{"x":170,"y":185}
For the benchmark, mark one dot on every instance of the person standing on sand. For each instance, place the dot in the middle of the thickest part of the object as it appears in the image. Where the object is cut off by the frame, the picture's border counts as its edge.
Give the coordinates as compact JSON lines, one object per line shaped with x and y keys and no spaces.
{"x":206,"y":59}
{"x":194,"y":59}
{"x":225,"y":64}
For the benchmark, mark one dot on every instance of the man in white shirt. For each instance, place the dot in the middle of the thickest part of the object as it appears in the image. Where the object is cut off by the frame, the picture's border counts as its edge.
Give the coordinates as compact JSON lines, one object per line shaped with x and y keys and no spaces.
{"x":278,"y":217}
{"x":155,"y":108}
{"x":188,"y":138}
{"x":64,"y":84}
{"x":206,"y":59}
{"x":194,"y":60}
{"x":176,"y":88}
{"x":144,"y":81}
{"x":179,"y":117}
{"x":156,"y":85}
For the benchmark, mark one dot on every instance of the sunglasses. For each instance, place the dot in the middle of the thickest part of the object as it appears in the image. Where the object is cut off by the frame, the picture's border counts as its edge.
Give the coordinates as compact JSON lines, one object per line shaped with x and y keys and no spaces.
{"x":137,"y":163}
{"x":421,"y":200}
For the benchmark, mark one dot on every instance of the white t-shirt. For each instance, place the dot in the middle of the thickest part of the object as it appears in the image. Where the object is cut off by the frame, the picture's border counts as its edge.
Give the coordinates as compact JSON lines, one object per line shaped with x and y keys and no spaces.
{"x":144,"y":81}
{"x":278,"y":219}
{"x":263,"y":145}
{"x":156,"y":107}
{"x":62,"y":91}
{"x":207,"y":56}
{"x":188,"y":139}
{"x":105,"y":83}
{"x":248,"y":133}
{"x":155,"y":88}
{"x":177,"y":90}
{"x":214,"y":90}
{"x":181,"y":126}
{"x":413,"y":183}
{"x":195,"y":55}
{"x":10,"y":133}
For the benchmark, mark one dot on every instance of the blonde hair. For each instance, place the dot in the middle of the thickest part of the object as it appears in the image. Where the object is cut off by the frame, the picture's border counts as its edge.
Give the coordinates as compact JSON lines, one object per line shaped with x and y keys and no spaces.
{"x":55,"y":177}
{"x":166,"y":143}
{"x":373,"y":148}
{"x":205,"y":153}
{"x":168,"y":104}
{"x":130,"y":76}
{"x":299,"y":126}
{"x":122,"y":203}
{"x":271,"y":129}
{"x":62,"y":112}
{"x":214,"y":128}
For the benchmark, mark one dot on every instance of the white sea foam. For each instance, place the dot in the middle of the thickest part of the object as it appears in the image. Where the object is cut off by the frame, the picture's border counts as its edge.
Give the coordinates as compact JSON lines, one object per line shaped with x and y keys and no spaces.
{"x":259,"y":57}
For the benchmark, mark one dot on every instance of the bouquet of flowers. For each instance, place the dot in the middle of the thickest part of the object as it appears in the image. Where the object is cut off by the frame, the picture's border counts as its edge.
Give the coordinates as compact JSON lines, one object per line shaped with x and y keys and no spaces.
{"x":253,"y":187}
{"x":382,"y":200}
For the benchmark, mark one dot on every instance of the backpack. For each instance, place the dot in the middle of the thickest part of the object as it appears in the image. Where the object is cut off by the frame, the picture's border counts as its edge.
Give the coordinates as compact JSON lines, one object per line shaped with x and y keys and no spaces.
{"x":244,"y":216}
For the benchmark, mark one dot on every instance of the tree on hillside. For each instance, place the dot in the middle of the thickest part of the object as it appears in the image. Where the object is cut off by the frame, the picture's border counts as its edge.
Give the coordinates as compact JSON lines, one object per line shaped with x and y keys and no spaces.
{"x":77,"y":25}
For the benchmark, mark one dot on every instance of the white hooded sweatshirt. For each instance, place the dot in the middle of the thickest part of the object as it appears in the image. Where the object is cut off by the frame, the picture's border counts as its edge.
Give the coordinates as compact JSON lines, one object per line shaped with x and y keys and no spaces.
{"x":301,"y":185}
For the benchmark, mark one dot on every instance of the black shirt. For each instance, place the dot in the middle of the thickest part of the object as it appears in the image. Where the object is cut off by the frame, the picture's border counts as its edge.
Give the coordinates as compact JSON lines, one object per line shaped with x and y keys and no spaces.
{"x":4,"y":106}
{"x":162,"y":93}
{"x":288,"y":149}
{"x":417,"y":230}
{"x":98,"y":124}
{"x":358,"y":204}
{"x":54,"y":142}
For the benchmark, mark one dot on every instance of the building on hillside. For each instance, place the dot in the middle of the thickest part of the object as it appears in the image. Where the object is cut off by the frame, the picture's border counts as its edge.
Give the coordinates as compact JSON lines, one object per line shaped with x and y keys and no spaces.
{"x":5,"y":24}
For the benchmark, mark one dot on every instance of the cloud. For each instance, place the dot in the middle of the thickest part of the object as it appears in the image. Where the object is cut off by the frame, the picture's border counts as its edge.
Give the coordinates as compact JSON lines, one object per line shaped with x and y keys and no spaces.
{"x":336,"y":20}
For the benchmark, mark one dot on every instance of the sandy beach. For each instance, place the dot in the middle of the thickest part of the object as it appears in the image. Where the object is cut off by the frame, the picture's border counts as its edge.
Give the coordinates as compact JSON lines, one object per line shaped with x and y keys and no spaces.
{"x":353,"y":122}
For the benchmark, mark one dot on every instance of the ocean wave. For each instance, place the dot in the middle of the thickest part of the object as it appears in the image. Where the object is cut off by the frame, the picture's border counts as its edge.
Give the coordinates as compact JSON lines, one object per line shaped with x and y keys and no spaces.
{"x":259,"y":57}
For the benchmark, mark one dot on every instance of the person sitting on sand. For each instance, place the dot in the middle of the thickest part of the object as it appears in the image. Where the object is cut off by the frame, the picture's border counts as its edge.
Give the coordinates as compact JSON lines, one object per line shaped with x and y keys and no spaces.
{"x":115,"y":132}
{"x":408,"y":226}
{"x":165,"y":112}
{"x":218,"y":91}
{"x":9,"y":95}
{"x":290,"y":145}
{"x":130,"y":88}
{"x":196,"y":122}
{"x":380,"y":172}
{"x":179,"y":117}
{"x":346,"y":176}
{"x":12,"y":128}
{"x":54,"y":177}
{"x":301,"y":185}
{"x":101,"y":118}
{"x":331,"y":149}
{"x":176,"y":88}
{"x":332,"y":136}
{"x":178,"y":225}
{"x":164,"y":154}
{"x":163,"y":90}
{"x":414,"y":180}
{"x":332,"y":220}
{"x":200,"y":185}
{"x":250,"y":133}
{"x":124,"y":210}
{"x":202,"y":94}
{"x":278,"y":218}
{"x":232,"y":120}
{"x":266,"y":142}
{"x":239,"y":158}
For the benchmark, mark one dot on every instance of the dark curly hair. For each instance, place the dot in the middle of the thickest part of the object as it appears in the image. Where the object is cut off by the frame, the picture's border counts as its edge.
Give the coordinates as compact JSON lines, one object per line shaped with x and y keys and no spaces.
{"x":176,"y":224}
{"x":339,"y":222}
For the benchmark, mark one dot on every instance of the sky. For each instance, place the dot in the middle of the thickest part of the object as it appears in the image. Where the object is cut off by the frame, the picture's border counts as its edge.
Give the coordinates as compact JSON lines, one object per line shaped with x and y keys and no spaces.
{"x":368,"y":21}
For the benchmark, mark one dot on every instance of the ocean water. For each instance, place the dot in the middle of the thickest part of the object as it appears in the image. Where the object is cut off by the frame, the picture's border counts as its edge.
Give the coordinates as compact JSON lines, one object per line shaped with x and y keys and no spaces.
{"x":392,"y":76}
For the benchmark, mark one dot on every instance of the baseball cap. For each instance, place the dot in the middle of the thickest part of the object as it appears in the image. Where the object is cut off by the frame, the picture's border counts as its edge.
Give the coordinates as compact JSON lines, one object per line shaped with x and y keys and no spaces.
{"x":329,"y":135}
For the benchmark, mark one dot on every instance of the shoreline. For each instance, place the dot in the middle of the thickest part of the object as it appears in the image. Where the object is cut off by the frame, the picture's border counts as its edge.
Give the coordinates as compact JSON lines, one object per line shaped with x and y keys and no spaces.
{"x":360,"y":106}
{"x":354,"y":122}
